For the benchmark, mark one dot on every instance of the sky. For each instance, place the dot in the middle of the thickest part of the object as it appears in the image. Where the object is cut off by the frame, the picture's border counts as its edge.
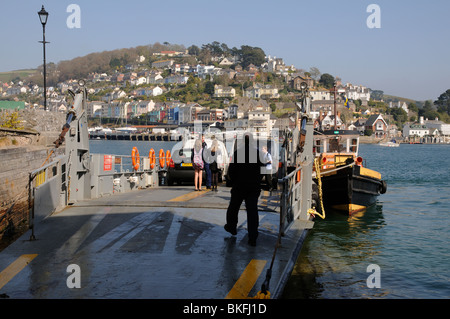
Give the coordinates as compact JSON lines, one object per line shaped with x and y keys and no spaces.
{"x":407,"y":56}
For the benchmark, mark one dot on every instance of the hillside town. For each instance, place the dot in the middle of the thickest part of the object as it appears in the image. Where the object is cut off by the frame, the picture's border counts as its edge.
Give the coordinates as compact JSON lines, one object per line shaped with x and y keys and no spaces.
{"x":257,"y":97}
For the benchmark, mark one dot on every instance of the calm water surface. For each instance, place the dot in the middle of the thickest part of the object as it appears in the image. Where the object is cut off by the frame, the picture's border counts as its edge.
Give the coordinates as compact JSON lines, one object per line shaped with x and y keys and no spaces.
{"x":406,"y":233}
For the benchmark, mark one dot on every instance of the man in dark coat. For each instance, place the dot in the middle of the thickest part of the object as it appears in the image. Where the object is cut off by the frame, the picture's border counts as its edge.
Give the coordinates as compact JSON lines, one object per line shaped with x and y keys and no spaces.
{"x":245,"y":174}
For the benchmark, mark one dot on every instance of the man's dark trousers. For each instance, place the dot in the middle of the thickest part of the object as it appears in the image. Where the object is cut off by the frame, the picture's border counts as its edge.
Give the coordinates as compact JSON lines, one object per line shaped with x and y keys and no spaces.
{"x":208,"y":174}
{"x":238,"y":195}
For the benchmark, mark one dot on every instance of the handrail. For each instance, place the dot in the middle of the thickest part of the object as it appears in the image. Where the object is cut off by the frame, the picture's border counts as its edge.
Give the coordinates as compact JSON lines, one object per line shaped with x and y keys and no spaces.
{"x":38,"y":170}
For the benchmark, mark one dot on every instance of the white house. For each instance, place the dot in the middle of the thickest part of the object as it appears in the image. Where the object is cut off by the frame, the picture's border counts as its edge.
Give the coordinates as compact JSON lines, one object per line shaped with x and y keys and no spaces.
{"x":226,"y":62}
{"x":139,"y":81}
{"x":326,"y":121}
{"x":261,"y":91}
{"x":259,"y":121}
{"x":176,"y":79}
{"x":143,"y":107}
{"x":224,"y":91}
{"x":116,"y":94}
{"x":320,"y":95}
{"x":154,"y":91}
{"x":415,"y":129}
{"x":203,"y":70}
{"x":402,"y":105}
{"x":443,"y":128}
{"x":357,"y":92}
{"x":154,"y":78}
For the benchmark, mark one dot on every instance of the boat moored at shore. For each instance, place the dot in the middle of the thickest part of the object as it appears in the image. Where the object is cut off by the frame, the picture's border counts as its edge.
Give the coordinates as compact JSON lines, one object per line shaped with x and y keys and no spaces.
{"x":347,"y":185}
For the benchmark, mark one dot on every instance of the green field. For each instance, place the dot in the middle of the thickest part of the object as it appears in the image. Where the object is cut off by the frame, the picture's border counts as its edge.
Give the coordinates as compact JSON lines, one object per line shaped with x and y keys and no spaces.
{"x":10,"y":75}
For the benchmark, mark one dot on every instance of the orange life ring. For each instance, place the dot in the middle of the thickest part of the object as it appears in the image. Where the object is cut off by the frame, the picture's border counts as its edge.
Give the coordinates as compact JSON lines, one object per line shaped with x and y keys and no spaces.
{"x":152,"y":157}
{"x":136,"y":160}
{"x":168,"y":157}
{"x":162,"y":159}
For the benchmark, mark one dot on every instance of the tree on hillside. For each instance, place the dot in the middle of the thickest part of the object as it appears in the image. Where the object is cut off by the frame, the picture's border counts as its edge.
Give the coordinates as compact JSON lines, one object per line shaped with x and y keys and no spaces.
{"x":314,"y":73}
{"x":252,"y":55}
{"x":443,"y":102}
{"x":428,"y":112}
{"x":399,"y":114}
{"x":413,"y":107}
{"x":376,"y":94}
{"x":194,"y":50}
{"x":327,"y":80}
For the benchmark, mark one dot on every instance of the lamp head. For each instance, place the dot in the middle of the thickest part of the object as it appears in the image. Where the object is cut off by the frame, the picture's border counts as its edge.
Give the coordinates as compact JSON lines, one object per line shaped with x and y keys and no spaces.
{"x":43,"y":16}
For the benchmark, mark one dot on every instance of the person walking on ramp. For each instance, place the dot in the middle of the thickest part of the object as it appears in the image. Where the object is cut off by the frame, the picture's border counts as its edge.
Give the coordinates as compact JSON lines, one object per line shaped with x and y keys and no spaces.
{"x":245,"y":174}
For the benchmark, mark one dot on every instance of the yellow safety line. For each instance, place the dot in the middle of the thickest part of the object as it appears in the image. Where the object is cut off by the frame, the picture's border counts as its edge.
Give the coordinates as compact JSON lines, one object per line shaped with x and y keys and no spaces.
{"x":16,"y":267}
{"x":189,"y":196}
{"x":245,"y":283}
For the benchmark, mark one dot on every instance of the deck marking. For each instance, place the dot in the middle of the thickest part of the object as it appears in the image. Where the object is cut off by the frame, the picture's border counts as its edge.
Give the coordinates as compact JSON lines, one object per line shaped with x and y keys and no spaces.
{"x":189,"y":196}
{"x":9,"y":272}
{"x":245,"y":283}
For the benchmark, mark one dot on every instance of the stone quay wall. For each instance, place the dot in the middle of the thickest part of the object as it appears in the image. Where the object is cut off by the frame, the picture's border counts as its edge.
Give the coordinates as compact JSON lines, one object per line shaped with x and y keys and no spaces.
{"x":16,"y":163}
{"x":21,"y":154}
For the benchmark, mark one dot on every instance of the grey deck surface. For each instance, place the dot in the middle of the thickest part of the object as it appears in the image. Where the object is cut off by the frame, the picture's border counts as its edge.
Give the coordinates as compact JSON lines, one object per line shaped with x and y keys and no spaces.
{"x":145,"y":244}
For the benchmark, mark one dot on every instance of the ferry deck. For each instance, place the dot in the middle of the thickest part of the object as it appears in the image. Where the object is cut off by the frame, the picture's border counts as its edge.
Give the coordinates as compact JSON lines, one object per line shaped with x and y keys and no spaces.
{"x":164,"y":242}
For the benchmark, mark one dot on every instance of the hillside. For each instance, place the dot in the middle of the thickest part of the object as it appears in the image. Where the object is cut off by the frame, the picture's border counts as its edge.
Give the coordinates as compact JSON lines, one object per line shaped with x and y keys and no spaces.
{"x":13,"y":75}
{"x":389,"y":98}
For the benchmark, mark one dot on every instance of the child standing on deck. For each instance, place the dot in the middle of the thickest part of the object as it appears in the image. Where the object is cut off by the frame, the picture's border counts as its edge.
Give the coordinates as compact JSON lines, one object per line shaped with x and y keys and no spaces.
{"x":215,"y":153}
{"x":197,"y":163}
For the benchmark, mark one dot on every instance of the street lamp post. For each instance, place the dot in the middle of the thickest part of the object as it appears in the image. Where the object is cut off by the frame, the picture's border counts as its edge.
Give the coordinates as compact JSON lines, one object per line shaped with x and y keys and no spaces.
{"x":43,"y":15}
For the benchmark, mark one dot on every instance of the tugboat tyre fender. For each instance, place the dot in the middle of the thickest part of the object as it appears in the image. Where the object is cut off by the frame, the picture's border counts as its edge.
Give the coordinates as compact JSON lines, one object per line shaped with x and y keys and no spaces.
{"x":315,"y":197}
{"x":383,"y":187}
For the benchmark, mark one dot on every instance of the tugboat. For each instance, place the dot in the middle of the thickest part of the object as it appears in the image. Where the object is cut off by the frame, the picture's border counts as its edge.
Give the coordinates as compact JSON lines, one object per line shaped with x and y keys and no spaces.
{"x":347,"y":185}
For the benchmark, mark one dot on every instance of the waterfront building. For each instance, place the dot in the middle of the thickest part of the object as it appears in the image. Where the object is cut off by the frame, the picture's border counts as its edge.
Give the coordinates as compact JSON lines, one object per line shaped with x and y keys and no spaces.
{"x":415,"y":129}
{"x":443,"y":128}
{"x":173,"y":115}
{"x":378,"y":125}
{"x":188,"y":113}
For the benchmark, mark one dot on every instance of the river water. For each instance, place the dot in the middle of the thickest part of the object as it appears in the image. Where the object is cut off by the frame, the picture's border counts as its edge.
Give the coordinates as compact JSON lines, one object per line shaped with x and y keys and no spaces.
{"x":406,"y":234}
{"x":399,"y":247}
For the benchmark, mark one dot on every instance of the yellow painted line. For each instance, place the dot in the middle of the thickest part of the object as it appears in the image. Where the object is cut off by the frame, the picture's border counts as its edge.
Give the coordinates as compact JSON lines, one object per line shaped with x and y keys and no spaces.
{"x":189,"y":196}
{"x":16,"y":267}
{"x":245,"y":283}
